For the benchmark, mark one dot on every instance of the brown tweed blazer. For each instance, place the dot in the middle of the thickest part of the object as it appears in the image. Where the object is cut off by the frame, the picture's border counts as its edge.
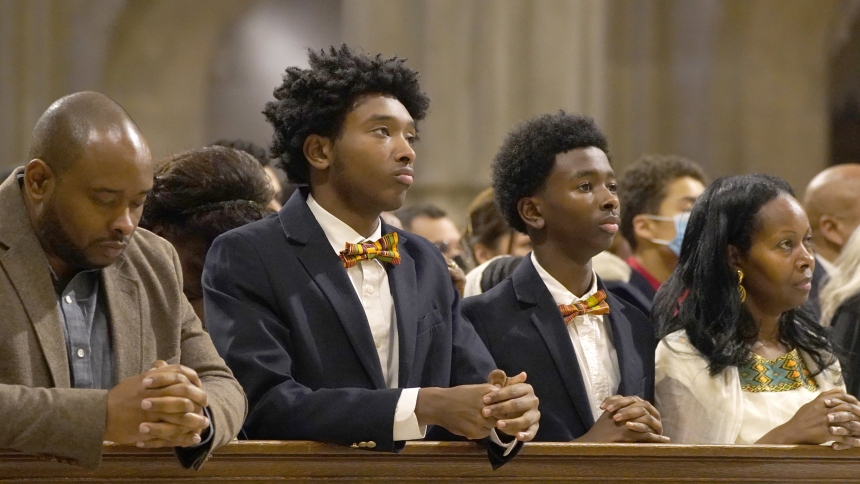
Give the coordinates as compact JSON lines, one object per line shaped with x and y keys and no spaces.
{"x":149,"y":319}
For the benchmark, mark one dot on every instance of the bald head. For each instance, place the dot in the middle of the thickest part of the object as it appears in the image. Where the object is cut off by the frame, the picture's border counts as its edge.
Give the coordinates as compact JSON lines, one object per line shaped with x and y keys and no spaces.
{"x":832,"y":202}
{"x":76,"y":121}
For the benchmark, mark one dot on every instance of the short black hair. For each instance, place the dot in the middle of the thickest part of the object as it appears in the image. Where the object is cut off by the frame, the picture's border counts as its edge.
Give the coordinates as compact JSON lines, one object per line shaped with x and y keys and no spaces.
{"x":258,"y":152}
{"x":408,"y":214}
{"x":701,"y":296}
{"x":527,"y":157}
{"x":642,"y":187}
{"x":317,"y":100}
{"x":205,"y":192}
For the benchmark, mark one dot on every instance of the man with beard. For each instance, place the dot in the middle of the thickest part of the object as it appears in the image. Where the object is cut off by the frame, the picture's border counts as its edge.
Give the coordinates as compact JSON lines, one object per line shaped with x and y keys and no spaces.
{"x":97,"y":341}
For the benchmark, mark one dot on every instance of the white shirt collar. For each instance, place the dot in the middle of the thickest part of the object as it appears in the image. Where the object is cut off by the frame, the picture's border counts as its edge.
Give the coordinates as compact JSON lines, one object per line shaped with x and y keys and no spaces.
{"x":829,"y":267}
{"x":559,"y":293}
{"x":336,"y":231}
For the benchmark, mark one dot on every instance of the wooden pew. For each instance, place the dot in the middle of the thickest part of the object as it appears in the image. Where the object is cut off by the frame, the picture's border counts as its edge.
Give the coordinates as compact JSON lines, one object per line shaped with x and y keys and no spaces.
{"x":275,"y":461}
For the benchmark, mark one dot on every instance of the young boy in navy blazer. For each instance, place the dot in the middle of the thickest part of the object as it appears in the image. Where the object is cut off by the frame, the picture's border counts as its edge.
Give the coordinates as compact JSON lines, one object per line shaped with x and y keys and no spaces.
{"x":588,"y":354}
{"x":341,"y":328}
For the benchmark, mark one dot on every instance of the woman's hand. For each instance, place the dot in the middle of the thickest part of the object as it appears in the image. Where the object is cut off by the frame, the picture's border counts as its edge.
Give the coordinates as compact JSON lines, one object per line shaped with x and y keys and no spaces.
{"x":832,"y":416}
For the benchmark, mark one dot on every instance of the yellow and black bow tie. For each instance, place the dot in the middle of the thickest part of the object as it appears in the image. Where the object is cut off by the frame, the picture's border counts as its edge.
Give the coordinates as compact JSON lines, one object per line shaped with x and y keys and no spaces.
{"x":594,"y":304}
{"x":383,"y":250}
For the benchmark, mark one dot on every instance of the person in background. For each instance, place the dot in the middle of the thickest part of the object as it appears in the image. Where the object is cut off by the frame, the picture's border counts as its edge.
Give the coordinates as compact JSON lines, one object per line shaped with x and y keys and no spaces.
{"x":655,"y":193}
{"x":198,"y":195}
{"x":491,"y":242}
{"x":832,"y":201}
{"x":741,"y":361}
{"x":432,"y":223}
{"x":340,"y":328}
{"x":840,"y":310}
{"x":589,"y":355}
{"x":488,"y":235}
{"x":259,"y":154}
{"x":92,"y":307}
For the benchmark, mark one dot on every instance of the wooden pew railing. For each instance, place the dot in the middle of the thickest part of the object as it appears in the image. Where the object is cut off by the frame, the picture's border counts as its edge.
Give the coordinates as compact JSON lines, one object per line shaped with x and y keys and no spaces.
{"x":264,"y":461}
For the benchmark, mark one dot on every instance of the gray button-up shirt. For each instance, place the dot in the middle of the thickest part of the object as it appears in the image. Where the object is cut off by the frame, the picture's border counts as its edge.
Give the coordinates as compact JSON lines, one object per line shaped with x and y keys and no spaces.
{"x":87,"y":333}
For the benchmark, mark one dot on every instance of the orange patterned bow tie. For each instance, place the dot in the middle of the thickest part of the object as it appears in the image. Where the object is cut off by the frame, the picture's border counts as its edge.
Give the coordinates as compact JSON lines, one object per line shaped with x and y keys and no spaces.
{"x":383,"y":250}
{"x":594,"y":304}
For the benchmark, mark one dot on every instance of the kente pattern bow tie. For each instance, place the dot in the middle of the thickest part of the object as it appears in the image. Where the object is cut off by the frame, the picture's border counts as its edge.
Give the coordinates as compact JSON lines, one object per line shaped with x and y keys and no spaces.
{"x":594,"y":304}
{"x":383,"y":250}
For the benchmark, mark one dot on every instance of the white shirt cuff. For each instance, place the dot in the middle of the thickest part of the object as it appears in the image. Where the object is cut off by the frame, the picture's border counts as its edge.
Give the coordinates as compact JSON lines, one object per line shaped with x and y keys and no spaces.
{"x":494,"y":438}
{"x":405,"y":421}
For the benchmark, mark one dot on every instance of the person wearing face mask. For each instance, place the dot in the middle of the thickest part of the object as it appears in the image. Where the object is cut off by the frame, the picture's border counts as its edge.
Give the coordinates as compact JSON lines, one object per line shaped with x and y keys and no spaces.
{"x":742,"y":360}
{"x":657,"y":193}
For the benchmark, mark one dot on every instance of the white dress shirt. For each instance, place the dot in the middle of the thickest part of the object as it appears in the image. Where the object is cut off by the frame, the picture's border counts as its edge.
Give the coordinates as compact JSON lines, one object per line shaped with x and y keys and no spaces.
{"x":370,"y":281}
{"x":592,"y":342}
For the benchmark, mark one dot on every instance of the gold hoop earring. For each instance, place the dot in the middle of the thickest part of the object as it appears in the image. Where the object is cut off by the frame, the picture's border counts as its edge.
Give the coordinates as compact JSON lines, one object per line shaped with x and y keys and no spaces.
{"x":741,"y":290}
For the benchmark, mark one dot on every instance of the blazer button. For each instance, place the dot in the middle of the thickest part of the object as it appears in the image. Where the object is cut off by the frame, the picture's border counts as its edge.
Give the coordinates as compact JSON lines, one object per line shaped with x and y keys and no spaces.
{"x":362,"y":444}
{"x":371,"y":444}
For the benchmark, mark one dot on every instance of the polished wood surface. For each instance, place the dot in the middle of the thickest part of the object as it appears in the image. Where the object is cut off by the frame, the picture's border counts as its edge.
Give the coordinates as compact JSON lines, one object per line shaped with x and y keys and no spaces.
{"x":263,"y":461}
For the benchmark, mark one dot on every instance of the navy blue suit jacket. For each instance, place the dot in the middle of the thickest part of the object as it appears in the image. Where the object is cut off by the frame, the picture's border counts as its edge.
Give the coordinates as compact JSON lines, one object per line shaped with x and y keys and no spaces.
{"x":285,"y":317}
{"x":521,"y":325}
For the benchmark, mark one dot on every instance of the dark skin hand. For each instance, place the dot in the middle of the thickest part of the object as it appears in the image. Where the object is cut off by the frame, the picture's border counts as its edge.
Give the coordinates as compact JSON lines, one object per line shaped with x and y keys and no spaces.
{"x":162,"y":407}
{"x":457,"y":409}
{"x":626,"y":419}
{"x":458,"y":277}
{"x":844,"y":419}
{"x":832,"y":416}
{"x":473,"y":410}
{"x":179,"y":417}
{"x":514,"y":404}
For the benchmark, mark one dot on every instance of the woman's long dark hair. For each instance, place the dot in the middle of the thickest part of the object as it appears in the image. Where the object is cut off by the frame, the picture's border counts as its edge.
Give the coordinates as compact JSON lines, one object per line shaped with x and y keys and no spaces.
{"x":704,"y":282}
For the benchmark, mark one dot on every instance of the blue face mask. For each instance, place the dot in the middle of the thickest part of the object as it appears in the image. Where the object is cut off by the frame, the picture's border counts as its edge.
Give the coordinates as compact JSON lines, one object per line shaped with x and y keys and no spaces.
{"x":680,"y":221}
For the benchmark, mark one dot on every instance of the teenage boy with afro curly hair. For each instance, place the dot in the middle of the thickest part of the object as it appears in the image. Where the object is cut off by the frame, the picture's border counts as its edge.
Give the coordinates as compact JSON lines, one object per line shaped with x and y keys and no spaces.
{"x":590,"y":355}
{"x":363,"y":344}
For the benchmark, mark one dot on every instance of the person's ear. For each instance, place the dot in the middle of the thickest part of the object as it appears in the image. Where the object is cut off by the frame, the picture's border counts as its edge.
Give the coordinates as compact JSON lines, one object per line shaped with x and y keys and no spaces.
{"x":830,"y":228}
{"x":39,"y":180}
{"x":734,"y":257}
{"x":319,"y":151}
{"x":529,"y":209}
{"x":642,"y":228}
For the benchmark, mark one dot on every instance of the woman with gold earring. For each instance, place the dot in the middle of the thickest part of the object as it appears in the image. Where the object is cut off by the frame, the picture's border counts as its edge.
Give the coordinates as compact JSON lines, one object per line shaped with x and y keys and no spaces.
{"x":740,"y":360}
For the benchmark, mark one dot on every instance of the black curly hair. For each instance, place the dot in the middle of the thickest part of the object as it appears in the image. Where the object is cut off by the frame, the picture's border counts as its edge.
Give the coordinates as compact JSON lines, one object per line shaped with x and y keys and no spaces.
{"x":205,"y":192}
{"x":527,"y":157}
{"x":317,"y":100}
{"x":642,"y":187}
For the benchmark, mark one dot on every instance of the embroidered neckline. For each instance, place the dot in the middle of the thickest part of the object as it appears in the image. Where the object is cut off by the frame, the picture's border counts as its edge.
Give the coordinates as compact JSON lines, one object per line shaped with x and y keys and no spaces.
{"x":786,"y":373}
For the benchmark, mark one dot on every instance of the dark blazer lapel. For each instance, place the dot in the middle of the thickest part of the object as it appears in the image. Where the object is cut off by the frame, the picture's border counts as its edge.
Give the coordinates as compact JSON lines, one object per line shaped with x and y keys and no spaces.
{"x":124,"y":320}
{"x":326,"y":270}
{"x":630,"y":364}
{"x":26,"y":266}
{"x":404,"y":289}
{"x":545,"y":316}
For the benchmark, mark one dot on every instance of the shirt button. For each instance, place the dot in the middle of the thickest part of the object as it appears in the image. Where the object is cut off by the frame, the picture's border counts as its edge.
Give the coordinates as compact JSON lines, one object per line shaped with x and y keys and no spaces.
{"x":80,"y":353}
{"x":369,"y":289}
{"x":68,"y":299}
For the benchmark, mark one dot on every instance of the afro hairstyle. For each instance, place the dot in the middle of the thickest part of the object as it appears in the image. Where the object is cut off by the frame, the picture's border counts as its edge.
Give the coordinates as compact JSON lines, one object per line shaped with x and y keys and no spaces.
{"x":527,"y":157}
{"x":317,"y":100}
